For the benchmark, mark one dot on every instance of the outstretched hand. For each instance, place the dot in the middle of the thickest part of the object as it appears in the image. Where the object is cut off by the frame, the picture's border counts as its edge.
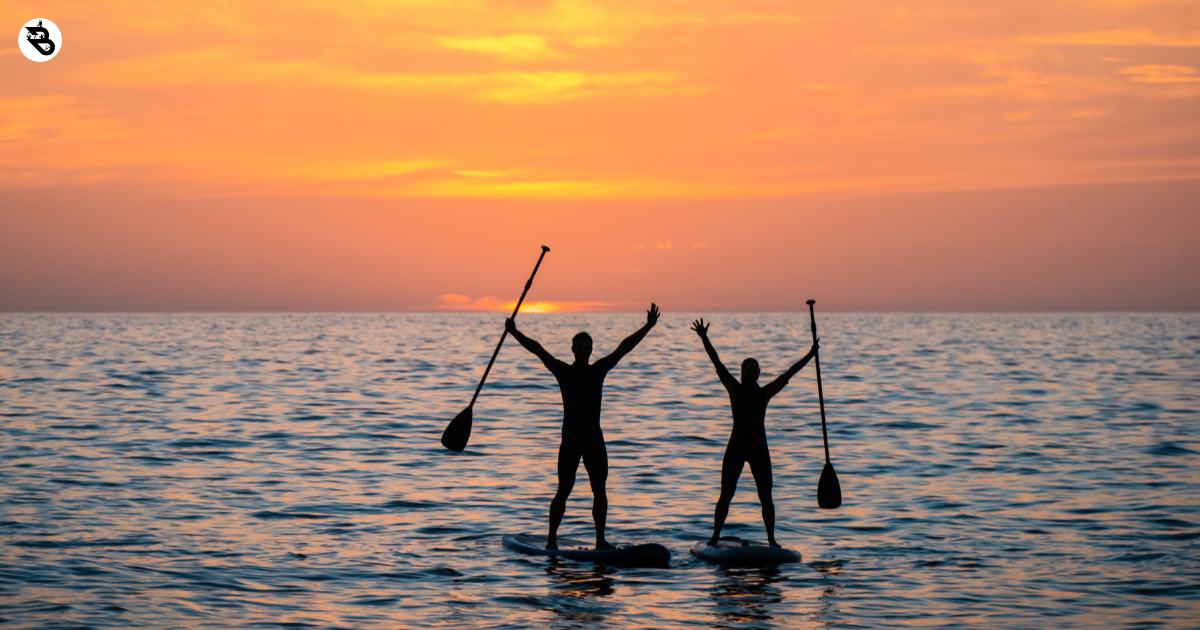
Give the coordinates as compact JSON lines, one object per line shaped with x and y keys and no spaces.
{"x":813,"y":351}
{"x":700,"y":327}
{"x":652,"y":315}
{"x":510,"y":325}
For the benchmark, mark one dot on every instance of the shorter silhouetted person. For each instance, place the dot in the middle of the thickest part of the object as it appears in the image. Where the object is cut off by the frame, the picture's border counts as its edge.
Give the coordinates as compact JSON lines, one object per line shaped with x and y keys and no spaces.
{"x":748,"y":441}
{"x":582,"y":385}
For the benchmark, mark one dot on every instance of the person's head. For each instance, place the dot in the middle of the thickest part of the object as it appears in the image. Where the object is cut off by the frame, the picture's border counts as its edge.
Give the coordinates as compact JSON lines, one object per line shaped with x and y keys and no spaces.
{"x":581,"y":345}
{"x":749,"y":371}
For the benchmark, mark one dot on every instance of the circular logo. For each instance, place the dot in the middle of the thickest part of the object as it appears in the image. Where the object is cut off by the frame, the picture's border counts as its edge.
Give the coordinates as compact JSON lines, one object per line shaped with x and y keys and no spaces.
{"x":40,"y":40}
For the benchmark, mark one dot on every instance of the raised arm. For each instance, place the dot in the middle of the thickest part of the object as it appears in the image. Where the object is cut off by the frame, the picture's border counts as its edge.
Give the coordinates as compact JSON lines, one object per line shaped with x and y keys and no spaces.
{"x":774,"y":386}
{"x":529,"y":344}
{"x":631,"y":342}
{"x":727,"y":379}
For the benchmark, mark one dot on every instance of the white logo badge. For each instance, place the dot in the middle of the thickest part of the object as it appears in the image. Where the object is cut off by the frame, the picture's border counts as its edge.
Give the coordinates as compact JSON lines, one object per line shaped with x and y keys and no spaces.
{"x":40,"y":40}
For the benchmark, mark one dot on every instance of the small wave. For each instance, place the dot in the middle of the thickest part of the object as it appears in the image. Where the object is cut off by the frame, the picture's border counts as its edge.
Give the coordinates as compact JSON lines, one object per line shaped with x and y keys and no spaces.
{"x":131,"y":541}
{"x":440,"y":530}
{"x":1180,"y":591}
{"x":408,"y":505}
{"x":909,"y":424}
{"x":374,"y":601}
{"x":269,"y":515}
{"x":1139,"y":557}
{"x":152,"y":458}
{"x":202,"y":442}
{"x":1170,"y":522}
{"x":519,"y":599}
{"x":275,"y":435}
{"x":1169,"y":449}
{"x":86,"y":482}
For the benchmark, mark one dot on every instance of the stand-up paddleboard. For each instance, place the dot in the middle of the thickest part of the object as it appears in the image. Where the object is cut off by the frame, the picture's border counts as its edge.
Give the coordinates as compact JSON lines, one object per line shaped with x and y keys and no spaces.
{"x":650,"y":555}
{"x":730,"y":550}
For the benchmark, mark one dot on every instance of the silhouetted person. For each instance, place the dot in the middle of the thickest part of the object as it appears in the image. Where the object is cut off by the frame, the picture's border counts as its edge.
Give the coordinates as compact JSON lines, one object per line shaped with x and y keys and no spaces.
{"x":582,"y":386}
{"x":748,"y":441}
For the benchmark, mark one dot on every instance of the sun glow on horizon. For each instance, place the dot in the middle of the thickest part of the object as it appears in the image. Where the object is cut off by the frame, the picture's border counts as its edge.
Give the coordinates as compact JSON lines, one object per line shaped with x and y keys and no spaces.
{"x":453,"y":302}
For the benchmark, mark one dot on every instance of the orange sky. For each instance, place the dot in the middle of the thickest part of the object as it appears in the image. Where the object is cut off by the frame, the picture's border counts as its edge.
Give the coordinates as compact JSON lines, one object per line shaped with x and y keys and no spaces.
{"x":382,"y":155}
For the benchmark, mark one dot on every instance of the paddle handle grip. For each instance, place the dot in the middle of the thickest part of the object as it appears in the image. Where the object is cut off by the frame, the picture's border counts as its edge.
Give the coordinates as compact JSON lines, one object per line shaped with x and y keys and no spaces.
{"x":528,"y":283}
{"x":812,"y":318}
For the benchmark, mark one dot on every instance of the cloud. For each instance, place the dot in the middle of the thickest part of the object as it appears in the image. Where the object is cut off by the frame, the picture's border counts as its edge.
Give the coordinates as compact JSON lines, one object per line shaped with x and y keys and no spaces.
{"x":1039,"y":86}
{"x":339,"y":171}
{"x":1127,"y":37}
{"x":488,"y":173}
{"x":506,"y":185}
{"x":1151,"y":73}
{"x":517,"y":47}
{"x":229,"y":66}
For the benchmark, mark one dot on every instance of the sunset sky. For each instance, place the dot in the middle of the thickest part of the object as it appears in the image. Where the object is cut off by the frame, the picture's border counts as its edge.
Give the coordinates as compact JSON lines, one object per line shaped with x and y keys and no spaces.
{"x":413,"y":155}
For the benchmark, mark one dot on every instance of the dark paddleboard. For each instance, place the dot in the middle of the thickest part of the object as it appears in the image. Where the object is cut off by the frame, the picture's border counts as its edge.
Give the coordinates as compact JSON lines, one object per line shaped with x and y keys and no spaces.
{"x":731,"y":550}
{"x":650,"y":555}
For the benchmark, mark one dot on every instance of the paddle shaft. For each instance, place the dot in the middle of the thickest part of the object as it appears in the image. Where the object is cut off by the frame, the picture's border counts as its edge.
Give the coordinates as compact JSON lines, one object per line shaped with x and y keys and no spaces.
{"x":812,"y":318}
{"x":528,"y":284}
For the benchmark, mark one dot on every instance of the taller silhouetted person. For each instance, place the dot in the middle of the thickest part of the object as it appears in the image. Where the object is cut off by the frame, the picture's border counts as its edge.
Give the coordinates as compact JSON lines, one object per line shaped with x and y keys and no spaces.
{"x":582,"y":386}
{"x":748,"y":441}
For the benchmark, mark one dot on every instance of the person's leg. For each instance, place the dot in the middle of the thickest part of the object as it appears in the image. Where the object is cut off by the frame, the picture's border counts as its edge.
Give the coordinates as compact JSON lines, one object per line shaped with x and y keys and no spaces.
{"x":760,"y":467}
{"x":731,"y":469}
{"x":595,"y":460}
{"x":568,"y":463}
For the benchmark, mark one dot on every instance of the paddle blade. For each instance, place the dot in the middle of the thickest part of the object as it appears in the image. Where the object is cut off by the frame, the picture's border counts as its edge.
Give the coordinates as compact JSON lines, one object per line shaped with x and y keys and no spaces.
{"x":829,"y":491}
{"x":458,"y":431}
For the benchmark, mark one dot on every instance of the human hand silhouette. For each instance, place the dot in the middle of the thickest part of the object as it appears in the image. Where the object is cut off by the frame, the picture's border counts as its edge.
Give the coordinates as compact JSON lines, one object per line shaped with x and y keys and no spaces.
{"x":816,"y":344}
{"x":652,"y":315}
{"x":510,"y":325}
{"x":700,"y":327}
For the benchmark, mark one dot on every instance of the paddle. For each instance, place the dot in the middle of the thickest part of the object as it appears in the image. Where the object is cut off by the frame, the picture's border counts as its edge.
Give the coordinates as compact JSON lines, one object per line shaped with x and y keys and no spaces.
{"x":459,"y":430}
{"x":829,"y":491}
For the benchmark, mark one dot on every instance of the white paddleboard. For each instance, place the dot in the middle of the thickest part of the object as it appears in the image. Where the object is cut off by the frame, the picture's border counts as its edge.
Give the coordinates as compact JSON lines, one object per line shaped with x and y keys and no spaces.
{"x":730,"y":550}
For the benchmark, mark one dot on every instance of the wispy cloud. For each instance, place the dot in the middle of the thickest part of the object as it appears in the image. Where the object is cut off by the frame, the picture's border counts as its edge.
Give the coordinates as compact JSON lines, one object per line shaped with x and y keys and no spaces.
{"x":1126,"y":37}
{"x":231,"y":66}
{"x":1151,"y":73}
{"x":516,"y":47}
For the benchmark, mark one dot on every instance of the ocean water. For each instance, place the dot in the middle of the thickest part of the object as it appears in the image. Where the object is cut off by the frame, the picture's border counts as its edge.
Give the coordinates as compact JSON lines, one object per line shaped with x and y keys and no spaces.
{"x":284,"y":470}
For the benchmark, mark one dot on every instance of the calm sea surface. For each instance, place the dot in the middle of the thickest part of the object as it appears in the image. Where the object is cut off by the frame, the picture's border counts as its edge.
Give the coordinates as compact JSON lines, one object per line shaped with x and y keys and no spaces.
{"x":223,"y":471}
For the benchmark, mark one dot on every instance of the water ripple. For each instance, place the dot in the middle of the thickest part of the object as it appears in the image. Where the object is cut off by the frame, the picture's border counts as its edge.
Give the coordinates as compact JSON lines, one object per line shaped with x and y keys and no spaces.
{"x":999,"y":471}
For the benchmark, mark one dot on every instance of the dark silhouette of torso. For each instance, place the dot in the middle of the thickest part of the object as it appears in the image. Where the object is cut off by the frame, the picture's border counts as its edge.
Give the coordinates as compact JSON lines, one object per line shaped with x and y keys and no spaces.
{"x":582,"y":388}
{"x":749,"y":403}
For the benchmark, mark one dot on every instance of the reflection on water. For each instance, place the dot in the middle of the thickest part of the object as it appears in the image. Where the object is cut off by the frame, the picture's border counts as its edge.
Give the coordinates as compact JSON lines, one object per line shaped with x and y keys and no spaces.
{"x":745,"y":598}
{"x":218,"y":471}
{"x":831,"y":588}
{"x":578,"y":590}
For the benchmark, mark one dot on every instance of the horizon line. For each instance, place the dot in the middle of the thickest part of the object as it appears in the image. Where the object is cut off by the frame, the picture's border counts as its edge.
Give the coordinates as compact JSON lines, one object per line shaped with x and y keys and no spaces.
{"x":536,"y":313}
